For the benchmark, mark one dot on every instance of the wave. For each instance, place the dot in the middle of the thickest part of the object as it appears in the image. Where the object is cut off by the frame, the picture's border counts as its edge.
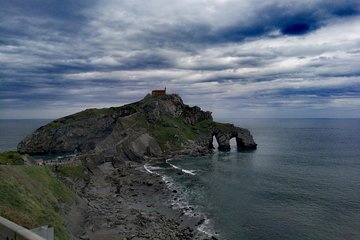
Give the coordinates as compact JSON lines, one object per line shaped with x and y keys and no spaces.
{"x":180,"y":202}
{"x":150,"y":169}
{"x":207,"y":228}
{"x":191,"y":172}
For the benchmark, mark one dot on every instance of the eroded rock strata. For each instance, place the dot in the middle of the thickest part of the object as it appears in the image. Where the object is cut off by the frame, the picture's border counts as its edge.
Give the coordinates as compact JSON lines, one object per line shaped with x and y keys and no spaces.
{"x":153,"y":127}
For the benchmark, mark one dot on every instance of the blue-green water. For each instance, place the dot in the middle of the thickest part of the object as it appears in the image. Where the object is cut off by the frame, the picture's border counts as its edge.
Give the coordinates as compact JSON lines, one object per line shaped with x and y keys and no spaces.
{"x":303,"y":181}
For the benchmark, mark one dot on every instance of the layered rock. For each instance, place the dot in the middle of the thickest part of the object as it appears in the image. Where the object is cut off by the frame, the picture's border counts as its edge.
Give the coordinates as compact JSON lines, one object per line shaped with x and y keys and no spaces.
{"x":153,"y":127}
{"x":225,"y":132}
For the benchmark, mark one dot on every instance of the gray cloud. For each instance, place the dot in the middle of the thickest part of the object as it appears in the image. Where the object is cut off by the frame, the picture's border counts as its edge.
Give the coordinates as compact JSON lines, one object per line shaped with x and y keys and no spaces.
{"x":253,"y":57}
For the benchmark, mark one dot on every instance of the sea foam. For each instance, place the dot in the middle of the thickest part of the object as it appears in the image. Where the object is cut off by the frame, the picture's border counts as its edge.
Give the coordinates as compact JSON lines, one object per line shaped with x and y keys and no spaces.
{"x":180,"y":202}
{"x":191,"y":172}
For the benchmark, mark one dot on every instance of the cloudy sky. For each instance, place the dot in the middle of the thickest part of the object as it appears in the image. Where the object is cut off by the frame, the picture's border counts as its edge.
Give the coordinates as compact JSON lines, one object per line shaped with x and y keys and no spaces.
{"x":236,"y":58}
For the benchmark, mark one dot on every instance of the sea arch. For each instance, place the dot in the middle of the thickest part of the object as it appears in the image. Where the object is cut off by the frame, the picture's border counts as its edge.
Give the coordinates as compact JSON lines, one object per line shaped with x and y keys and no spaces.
{"x":223,"y":136}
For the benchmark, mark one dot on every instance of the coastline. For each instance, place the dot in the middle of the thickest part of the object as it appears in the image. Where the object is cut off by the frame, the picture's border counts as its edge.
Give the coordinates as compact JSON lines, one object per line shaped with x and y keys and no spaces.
{"x":128,"y":202}
{"x":179,"y":201}
{"x":120,"y":198}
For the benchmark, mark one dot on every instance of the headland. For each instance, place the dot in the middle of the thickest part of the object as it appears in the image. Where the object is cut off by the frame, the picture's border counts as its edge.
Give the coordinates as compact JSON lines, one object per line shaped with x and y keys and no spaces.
{"x":119,"y":198}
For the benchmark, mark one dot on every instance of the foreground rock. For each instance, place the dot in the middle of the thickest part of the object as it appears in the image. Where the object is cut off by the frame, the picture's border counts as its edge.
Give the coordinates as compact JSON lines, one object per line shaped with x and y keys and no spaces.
{"x":153,"y":127}
{"x":127,"y":203}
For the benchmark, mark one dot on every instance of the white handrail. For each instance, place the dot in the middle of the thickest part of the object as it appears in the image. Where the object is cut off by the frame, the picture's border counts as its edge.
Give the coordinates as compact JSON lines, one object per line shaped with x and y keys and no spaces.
{"x":10,"y":230}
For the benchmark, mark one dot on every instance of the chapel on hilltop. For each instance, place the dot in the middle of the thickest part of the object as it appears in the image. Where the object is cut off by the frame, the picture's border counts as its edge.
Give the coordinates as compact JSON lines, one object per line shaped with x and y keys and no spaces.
{"x":159,"y":92}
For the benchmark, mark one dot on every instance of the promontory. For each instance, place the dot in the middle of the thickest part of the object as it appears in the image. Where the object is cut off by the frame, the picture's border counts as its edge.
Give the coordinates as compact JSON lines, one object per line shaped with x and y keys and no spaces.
{"x":116,"y":197}
{"x":156,"y":126}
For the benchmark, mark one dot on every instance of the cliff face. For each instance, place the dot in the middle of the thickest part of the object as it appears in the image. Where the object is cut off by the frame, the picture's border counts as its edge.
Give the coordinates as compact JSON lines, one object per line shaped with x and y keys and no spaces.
{"x":154,"y":126}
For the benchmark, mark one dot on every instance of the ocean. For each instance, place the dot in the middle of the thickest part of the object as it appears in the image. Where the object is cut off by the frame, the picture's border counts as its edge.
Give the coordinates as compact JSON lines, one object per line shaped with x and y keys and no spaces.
{"x":12,"y":131}
{"x":303,"y":181}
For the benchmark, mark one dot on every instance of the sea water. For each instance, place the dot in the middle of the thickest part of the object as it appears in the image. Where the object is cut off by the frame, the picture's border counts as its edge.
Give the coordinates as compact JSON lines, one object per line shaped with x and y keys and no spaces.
{"x":12,"y":131}
{"x":303,"y":181}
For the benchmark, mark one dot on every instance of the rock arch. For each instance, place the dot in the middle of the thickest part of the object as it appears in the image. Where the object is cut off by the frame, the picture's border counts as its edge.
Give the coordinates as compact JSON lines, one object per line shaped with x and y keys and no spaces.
{"x":244,"y":140}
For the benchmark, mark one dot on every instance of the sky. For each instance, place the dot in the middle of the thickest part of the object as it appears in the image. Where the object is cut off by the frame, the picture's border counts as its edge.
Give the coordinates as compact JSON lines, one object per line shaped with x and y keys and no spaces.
{"x":235,"y":58}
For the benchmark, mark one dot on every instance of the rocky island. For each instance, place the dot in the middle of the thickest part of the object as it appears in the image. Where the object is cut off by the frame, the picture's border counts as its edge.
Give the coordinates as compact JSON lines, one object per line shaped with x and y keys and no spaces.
{"x":156,"y":126}
{"x":118,"y":199}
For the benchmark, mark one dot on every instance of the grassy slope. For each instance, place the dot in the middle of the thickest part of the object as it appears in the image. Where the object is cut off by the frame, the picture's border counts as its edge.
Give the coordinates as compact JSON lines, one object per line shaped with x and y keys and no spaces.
{"x":88,"y":113}
{"x":173,"y":132}
{"x":11,"y":158}
{"x":30,"y":196}
{"x":73,"y":172}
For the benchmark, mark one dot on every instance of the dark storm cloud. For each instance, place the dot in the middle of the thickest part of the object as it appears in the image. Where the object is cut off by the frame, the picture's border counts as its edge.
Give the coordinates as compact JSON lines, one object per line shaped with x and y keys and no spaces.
{"x":289,"y":17}
{"x":296,"y":28}
{"x":64,"y":10}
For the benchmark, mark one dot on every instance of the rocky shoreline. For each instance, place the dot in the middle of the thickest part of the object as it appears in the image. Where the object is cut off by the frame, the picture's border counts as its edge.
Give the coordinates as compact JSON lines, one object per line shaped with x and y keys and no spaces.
{"x":120,"y":200}
{"x":127,"y":202}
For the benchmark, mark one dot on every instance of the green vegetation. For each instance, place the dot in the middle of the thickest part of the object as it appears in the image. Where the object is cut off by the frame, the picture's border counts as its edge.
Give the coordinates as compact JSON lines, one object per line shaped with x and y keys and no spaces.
{"x":205,"y":125}
{"x":167,"y":138}
{"x":135,"y":120}
{"x":11,"y":158}
{"x":54,"y":124}
{"x":99,"y":112}
{"x":30,"y":196}
{"x":170,"y":133}
{"x":92,"y":112}
{"x":88,"y":113}
{"x":173,"y":132}
{"x":222,"y":126}
{"x":74,"y":172}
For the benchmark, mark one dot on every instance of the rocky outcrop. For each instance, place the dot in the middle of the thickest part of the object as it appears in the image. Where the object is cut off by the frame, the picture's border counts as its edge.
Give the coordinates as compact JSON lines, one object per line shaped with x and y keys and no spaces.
{"x":225,"y":132}
{"x":144,"y":145}
{"x":153,"y":127}
{"x":56,"y":137}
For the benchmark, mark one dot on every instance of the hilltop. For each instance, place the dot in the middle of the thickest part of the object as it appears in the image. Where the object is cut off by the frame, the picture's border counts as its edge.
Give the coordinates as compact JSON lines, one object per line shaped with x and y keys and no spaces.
{"x":156,"y":126}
